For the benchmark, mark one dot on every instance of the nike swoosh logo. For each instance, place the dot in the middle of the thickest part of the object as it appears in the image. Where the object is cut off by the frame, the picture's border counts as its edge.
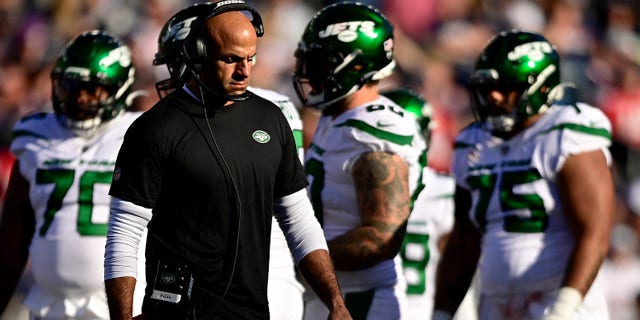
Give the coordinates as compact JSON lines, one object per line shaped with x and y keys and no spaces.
{"x":384,"y":125}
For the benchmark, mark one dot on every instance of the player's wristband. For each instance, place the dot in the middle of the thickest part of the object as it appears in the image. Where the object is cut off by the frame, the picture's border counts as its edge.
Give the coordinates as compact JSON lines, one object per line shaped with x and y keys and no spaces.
{"x":441,"y":315}
{"x":566,"y":303}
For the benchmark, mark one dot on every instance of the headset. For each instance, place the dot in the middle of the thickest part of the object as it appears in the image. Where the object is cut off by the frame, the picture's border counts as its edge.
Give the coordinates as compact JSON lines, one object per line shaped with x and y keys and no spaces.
{"x":194,"y":49}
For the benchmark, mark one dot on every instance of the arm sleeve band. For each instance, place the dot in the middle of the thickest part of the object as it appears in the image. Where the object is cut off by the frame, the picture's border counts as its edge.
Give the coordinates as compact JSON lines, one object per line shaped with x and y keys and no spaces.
{"x":126,"y":226}
{"x":299,"y":225}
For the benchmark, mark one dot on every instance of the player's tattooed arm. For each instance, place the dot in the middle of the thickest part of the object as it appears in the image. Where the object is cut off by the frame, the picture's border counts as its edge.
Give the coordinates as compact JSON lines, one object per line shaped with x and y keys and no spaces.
{"x":382,"y":187}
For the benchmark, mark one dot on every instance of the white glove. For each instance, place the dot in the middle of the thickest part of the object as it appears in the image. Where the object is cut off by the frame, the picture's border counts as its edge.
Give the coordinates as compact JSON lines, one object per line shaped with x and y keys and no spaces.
{"x":567,"y":301}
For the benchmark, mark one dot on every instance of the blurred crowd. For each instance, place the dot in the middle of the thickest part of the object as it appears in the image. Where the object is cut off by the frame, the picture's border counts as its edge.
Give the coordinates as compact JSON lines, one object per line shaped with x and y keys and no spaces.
{"x":437,"y":42}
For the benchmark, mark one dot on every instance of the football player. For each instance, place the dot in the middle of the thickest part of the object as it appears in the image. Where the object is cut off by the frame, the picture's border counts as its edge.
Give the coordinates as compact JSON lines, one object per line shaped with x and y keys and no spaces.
{"x":431,"y":219}
{"x":57,"y":206}
{"x":363,"y":162}
{"x":284,"y":290}
{"x":534,"y":195}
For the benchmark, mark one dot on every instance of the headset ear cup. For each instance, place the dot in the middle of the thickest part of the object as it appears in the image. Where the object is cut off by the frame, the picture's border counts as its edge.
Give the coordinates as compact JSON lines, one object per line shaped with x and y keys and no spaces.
{"x":201,"y":51}
{"x":200,"y":56}
{"x":190,"y":54}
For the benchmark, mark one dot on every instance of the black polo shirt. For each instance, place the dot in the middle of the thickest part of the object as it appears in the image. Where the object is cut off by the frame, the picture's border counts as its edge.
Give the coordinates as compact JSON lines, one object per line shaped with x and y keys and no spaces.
{"x":209,"y":193}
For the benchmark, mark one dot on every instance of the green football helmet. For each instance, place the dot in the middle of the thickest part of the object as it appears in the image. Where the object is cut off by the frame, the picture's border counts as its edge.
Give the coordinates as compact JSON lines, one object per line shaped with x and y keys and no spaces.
{"x":344,"y":46}
{"x":415,"y":104}
{"x":98,"y":64}
{"x":518,"y":61}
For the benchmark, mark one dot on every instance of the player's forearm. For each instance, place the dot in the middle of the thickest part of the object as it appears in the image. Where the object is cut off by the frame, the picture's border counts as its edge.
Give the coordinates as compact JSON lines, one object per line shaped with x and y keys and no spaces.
{"x":589,"y":253}
{"x":451,"y":286}
{"x":456,"y":268}
{"x":590,"y":250}
{"x":366,"y":246}
{"x":592,"y":231}
{"x":318,"y":271}
{"x":587,"y":192}
{"x":120,"y":297}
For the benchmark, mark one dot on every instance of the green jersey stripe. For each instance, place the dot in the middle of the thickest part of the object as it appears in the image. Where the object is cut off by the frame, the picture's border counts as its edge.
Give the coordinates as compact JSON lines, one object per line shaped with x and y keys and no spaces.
{"x":580,"y":128}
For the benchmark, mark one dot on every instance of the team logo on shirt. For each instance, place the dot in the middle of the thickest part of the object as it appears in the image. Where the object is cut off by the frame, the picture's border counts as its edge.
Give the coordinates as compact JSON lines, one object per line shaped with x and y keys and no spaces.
{"x":261,"y":136}
{"x":168,"y":277}
{"x":116,"y":173}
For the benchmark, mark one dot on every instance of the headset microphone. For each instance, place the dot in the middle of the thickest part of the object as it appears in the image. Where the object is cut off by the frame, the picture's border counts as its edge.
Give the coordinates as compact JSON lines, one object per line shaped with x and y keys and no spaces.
{"x":236,"y":98}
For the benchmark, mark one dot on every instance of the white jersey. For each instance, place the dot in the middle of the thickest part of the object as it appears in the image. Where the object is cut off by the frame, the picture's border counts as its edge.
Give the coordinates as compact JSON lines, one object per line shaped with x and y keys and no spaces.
{"x":431,"y":218}
{"x":284,"y":290}
{"x":526,"y":239}
{"x":69,"y":178}
{"x":378,"y":126}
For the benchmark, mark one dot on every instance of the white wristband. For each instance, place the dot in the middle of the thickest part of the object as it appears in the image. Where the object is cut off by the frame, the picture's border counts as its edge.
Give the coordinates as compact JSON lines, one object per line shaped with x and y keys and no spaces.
{"x":567,"y":301}
{"x":441,"y":315}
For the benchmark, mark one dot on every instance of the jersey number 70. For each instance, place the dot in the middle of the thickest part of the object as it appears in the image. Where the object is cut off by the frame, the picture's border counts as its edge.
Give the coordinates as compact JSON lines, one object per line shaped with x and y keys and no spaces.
{"x":63,"y":180}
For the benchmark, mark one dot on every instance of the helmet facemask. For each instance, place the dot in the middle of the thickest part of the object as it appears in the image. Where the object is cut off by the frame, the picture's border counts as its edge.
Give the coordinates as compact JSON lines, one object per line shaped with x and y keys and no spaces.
{"x":497,"y":104}
{"x":321,"y":84}
{"x":176,"y":71}
{"x":83,"y":103}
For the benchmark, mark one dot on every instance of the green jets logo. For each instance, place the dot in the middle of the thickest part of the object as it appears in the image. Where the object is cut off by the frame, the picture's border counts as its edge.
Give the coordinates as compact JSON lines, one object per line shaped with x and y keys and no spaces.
{"x":261,"y":136}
